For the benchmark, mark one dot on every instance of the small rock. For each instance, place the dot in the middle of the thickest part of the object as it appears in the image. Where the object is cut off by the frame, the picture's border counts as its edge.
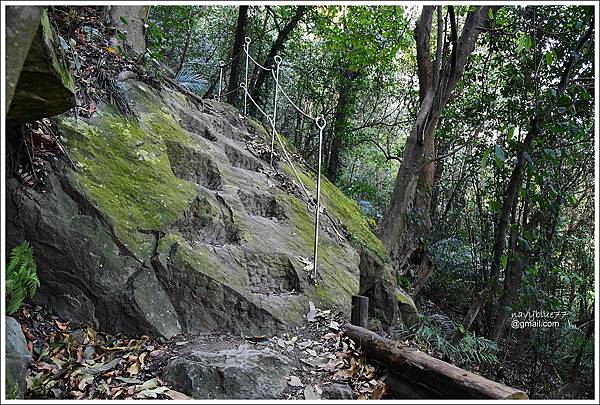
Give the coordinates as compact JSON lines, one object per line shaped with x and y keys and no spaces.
{"x":337,"y":391}
{"x":229,"y":374}
{"x":17,"y":359}
{"x":311,"y":393}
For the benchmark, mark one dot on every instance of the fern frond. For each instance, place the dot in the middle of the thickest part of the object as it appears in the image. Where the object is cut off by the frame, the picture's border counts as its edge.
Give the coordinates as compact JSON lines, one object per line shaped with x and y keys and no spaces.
{"x":18,"y":255}
{"x":436,"y":334}
{"x":15,"y":301}
{"x":21,"y":276}
{"x":191,"y":81}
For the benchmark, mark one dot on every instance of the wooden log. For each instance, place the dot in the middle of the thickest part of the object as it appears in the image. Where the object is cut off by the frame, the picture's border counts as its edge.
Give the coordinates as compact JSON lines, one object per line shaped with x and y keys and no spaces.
{"x":360,"y":311}
{"x":402,"y":388}
{"x":443,"y":379}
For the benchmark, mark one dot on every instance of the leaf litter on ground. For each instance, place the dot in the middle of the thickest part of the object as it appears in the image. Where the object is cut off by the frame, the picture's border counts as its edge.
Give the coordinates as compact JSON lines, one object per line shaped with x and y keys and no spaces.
{"x":326,"y":356}
{"x":72,"y":361}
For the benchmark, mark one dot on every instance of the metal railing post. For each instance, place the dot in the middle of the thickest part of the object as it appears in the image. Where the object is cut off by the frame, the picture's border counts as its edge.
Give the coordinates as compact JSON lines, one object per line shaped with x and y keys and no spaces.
{"x":277,"y":65}
{"x":221,"y":64}
{"x":320,"y":121}
{"x":247,"y":41}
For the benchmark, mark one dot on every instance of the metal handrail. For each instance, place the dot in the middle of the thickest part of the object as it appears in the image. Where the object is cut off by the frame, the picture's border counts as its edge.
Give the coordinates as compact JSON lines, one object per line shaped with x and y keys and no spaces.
{"x":320,"y":122}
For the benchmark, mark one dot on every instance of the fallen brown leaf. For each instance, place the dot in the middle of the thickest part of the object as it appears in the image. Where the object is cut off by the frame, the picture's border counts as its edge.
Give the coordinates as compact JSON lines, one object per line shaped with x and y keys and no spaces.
{"x":176,"y":395}
{"x":379,"y":391}
{"x":61,"y":325}
{"x":134,"y":369}
{"x":295,"y":381}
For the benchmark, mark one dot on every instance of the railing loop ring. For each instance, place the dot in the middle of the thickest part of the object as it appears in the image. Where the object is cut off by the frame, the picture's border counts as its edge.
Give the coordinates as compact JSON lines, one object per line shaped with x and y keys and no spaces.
{"x":320,"y":121}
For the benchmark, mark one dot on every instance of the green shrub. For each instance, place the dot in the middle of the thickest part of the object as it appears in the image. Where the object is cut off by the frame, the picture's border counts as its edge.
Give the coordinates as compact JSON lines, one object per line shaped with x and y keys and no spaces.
{"x":21,"y":276}
{"x":456,"y":273}
{"x":437,"y":334}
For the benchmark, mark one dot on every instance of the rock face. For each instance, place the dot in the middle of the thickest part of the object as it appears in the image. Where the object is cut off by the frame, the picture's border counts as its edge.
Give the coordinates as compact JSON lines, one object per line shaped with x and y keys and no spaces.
{"x":174,"y":223}
{"x":388,"y":302}
{"x":21,"y":25}
{"x":17,"y":359}
{"x":45,"y":86}
{"x":241,"y":373}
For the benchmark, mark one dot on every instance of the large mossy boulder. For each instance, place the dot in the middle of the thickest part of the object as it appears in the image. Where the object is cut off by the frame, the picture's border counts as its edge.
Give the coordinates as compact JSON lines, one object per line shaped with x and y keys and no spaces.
{"x":172,"y":223}
{"x":45,"y":86}
{"x":388,"y":302}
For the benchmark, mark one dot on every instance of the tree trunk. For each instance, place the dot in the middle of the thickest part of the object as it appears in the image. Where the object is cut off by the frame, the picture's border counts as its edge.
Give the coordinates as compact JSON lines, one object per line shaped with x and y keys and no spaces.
{"x":236,"y":55}
{"x":130,"y":20}
{"x":512,"y":275}
{"x":276,"y":48}
{"x":188,"y":40}
{"x":406,"y":223}
{"x":342,"y":110}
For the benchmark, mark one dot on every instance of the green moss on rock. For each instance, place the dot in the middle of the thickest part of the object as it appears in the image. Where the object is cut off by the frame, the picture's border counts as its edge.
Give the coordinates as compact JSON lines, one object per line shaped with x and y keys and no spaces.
{"x":334,"y":283}
{"x":258,"y":128}
{"x":126,"y":169}
{"x":59,"y":63}
{"x":404,"y":298}
{"x":344,"y":209}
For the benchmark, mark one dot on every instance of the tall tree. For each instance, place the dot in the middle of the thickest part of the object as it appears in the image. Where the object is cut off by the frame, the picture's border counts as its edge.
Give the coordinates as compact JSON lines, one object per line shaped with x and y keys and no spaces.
{"x":362,"y":42}
{"x":236,"y":55}
{"x":263,"y":76}
{"x":407,"y":220}
{"x":191,"y":24}
{"x":343,"y":109}
{"x":512,"y":189}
